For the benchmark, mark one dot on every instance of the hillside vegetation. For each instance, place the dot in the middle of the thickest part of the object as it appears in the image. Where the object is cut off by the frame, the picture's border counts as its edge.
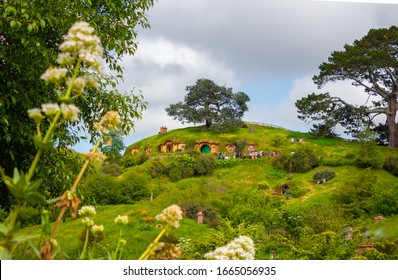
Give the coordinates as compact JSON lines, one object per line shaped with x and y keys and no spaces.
{"x":303,"y":198}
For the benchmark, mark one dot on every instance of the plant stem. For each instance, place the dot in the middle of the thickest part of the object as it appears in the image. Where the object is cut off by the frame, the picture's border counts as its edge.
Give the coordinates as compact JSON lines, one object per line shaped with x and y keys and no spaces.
{"x":53,"y":125}
{"x":85,"y":165}
{"x":83,"y":254}
{"x":145,"y":255}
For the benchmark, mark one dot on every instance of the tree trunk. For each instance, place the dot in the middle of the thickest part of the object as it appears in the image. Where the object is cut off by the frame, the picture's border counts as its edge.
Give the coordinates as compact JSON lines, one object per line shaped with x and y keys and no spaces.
{"x":391,"y":122}
{"x":208,"y":123}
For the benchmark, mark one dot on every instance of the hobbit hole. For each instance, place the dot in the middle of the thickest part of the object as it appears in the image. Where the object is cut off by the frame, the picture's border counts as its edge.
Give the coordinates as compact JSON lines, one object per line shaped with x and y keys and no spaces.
{"x":284,"y":189}
{"x":205,"y":149}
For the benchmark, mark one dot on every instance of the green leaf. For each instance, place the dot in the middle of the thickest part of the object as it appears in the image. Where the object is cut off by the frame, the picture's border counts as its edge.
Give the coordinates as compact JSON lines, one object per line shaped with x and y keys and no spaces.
{"x":34,"y":186}
{"x":4,"y":254}
{"x":45,"y":224}
{"x":36,"y":198}
{"x":16,"y":176}
{"x":22,"y":238}
{"x":35,"y":250}
{"x":53,"y":200}
{"x":10,"y":10}
{"x":42,"y":23}
{"x":38,"y":140}
{"x":3,"y":229}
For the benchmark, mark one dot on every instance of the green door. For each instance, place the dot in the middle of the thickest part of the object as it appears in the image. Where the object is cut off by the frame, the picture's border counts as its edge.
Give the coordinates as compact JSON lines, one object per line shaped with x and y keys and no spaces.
{"x":205,"y":149}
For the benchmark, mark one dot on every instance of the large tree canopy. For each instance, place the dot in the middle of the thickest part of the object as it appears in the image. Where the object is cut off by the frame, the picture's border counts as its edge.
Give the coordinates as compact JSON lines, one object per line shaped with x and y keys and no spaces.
{"x":30,"y":34}
{"x":217,"y":106}
{"x":370,"y":63}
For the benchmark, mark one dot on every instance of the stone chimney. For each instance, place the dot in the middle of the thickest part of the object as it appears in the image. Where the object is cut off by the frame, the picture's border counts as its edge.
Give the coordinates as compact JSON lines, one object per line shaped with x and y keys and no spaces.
{"x":199,"y":218}
{"x":163,"y":130}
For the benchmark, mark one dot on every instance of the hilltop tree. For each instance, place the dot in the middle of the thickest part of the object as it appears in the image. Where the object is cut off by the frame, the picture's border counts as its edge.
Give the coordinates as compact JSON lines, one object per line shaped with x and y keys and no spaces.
{"x":217,"y":106}
{"x":30,"y":34}
{"x":370,"y":63}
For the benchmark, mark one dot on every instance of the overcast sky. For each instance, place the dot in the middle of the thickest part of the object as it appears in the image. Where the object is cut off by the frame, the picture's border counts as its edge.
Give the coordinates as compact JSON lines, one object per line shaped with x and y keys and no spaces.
{"x":268,"y":49}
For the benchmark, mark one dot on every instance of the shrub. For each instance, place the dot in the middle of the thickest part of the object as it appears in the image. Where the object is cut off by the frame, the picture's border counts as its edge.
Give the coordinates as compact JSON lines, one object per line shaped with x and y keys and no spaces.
{"x":263,"y":185}
{"x":156,"y":168}
{"x":135,"y":160}
{"x":134,"y":184}
{"x":204,"y":164}
{"x":112,"y":169}
{"x":104,"y":189}
{"x":181,"y":168}
{"x":391,"y":165}
{"x":323,"y":175}
{"x":368,"y":158}
{"x":303,"y":160}
{"x":211,"y":216}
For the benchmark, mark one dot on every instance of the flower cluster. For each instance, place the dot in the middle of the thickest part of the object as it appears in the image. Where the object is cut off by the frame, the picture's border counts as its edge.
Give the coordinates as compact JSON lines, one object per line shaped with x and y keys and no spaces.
{"x":121,"y":220}
{"x":241,"y":248}
{"x":166,"y":251}
{"x":172,"y":215}
{"x":54,"y":75}
{"x":97,"y":230}
{"x":109,"y":121}
{"x":69,"y":112}
{"x":87,"y":222}
{"x":87,"y":211}
{"x":81,"y":43}
{"x":81,"y":47}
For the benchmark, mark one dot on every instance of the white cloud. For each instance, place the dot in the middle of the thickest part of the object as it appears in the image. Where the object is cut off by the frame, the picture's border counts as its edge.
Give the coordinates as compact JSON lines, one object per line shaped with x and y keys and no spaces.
{"x":162,"y":70}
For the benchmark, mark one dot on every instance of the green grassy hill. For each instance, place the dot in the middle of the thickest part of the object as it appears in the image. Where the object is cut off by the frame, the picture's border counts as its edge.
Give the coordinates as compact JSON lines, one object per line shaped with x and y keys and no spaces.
{"x":243,"y":197}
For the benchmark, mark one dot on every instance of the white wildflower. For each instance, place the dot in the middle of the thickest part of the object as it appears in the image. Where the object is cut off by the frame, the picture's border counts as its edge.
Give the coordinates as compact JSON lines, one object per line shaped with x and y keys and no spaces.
{"x":241,"y":248}
{"x":87,"y":211}
{"x":97,"y":229}
{"x":50,"y":109}
{"x":35,"y":114}
{"x":83,"y":44}
{"x":54,"y":75}
{"x":172,"y":215}
{"x":70,"y":112}
{"x":87,"y":222}
{"x":121,"y":220}
{"x":65,"y":58}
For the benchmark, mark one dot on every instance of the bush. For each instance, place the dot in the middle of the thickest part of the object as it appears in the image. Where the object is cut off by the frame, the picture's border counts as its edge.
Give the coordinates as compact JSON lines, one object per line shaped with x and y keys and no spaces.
{"x":204,"y":165}
{"x":303,"y":160}
{"x":391,"y":165}
{"x":135,"y":160}
{"x":134,"y":184}
{"x":104,"y":189}
{"x":368,"y":158}
{"x":211,"y":217}
{"x":112,"y":169}
{"x":181,"y":168}
{"x":323,"y":175}
{"x":156,"y":168}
